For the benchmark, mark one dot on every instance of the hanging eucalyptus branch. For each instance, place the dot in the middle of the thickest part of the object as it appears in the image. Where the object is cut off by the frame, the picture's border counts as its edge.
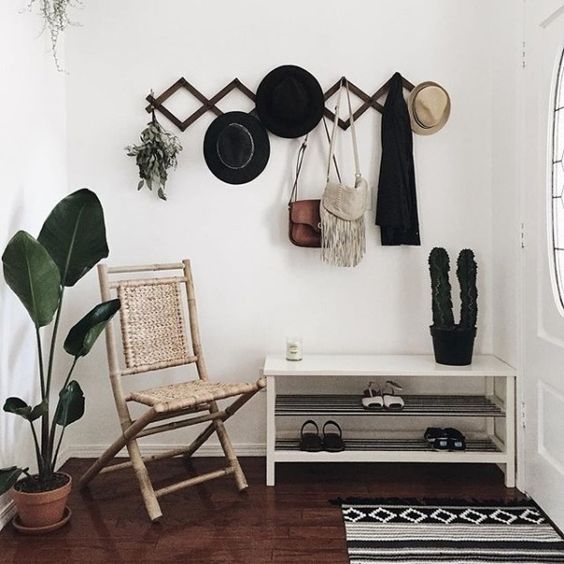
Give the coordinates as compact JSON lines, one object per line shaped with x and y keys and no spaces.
{"x":156,"y":154}
{"x":56,"y":19}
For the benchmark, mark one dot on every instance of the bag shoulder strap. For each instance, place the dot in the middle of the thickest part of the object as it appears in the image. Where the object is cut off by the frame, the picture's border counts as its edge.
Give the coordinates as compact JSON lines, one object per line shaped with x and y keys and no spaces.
{"x":332,"y":140}
{"x":353,"y":133}
{"x":299,"y":163}
{"x":300,"y":160}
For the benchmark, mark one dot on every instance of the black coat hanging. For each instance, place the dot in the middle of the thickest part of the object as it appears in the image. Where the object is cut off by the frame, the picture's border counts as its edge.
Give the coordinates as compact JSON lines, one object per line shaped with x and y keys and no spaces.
{"x":396,"y":209}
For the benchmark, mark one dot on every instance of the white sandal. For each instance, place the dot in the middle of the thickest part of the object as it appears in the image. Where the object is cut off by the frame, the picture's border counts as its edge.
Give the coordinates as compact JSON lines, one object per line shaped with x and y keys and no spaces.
{"x":372,"y":400}
{"x":391,"y":400}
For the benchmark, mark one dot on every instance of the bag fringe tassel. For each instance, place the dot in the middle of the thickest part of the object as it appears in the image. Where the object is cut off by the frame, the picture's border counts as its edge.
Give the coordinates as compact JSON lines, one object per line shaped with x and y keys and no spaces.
{"x":343,"y":243}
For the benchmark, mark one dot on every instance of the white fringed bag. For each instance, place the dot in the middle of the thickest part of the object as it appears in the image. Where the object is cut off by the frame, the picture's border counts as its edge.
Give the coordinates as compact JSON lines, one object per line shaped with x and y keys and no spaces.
{"x":343,"y":237}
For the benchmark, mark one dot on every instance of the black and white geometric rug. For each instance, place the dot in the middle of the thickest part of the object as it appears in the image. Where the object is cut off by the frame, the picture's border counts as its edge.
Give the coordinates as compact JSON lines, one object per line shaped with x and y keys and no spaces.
{"x":448,"y":531}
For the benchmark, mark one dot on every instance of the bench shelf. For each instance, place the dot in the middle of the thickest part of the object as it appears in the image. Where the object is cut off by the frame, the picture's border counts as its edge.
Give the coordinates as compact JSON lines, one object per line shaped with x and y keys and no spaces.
{"x":487,"y":448}
{"x":422,"y":405}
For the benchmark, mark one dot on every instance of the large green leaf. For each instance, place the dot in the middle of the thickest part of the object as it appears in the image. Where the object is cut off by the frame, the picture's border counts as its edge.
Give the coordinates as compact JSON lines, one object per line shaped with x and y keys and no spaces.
{"x":8,"y":477}
{"x":74,"y":234}
{"x":71,"y":404}
{"x":19,"y":407}
{"x":83,"y":335}
{"x":33,"y":276}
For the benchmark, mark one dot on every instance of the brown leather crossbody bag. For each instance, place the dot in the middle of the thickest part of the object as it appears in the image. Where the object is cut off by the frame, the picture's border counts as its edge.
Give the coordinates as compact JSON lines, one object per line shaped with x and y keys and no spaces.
{"x":304,"y":217}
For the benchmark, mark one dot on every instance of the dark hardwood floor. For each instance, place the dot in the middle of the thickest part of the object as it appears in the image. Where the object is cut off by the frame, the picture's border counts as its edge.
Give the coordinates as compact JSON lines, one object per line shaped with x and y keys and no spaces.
{"x":212,"y":523}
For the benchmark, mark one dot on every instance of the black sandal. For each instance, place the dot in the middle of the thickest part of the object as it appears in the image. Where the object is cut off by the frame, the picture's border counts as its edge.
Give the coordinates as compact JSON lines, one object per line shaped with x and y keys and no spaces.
{"x":433,"y":433}
{"x":441,"y":443}
{"x":333,"y":442}
{"x":451,"y":439}
{"x":456,"y":440}
{"x":310,"y":442}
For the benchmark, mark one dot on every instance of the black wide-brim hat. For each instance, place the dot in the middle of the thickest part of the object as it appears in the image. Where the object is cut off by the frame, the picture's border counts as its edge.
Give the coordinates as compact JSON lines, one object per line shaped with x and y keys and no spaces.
{"x":236,"y":147}
{"x":290,"y":101}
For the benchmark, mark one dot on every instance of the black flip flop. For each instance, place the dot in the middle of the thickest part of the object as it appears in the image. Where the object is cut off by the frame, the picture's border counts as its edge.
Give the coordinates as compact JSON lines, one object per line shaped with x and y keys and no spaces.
{"x":333,"y":442}
{"x":310,"y":442}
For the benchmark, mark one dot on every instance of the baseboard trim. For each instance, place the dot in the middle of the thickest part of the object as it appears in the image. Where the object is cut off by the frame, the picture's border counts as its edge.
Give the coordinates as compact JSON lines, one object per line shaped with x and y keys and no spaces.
{"x":212,"y":449}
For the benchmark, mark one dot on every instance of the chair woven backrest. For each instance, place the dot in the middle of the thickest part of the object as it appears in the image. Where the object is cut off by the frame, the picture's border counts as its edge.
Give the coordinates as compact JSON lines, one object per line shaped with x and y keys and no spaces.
{"x":152,"y":324}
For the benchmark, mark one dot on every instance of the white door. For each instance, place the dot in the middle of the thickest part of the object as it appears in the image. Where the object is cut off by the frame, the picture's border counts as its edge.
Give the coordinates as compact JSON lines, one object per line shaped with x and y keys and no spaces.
{"x":543,"y":319}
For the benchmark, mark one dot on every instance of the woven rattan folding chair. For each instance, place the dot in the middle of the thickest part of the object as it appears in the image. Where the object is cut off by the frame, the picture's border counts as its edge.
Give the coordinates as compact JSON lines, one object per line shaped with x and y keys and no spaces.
{"x":154,"y":338}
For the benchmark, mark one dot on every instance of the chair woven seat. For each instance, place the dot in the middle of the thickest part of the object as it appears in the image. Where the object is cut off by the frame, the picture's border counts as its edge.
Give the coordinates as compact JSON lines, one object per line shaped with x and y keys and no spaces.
{"x":195,"y":392}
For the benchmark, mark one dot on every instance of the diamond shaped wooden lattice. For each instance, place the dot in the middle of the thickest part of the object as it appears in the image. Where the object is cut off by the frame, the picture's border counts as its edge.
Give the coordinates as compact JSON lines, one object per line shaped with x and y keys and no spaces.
{"x":209,"y":104}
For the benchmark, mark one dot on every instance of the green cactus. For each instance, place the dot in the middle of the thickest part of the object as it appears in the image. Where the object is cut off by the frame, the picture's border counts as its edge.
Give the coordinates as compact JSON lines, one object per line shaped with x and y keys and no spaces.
{"x":439,"y":266}
{"x":466,"y":272}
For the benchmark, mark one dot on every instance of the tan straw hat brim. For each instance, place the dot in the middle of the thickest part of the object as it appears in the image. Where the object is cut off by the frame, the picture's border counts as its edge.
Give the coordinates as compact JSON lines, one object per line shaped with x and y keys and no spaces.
{"x":417,"y":125}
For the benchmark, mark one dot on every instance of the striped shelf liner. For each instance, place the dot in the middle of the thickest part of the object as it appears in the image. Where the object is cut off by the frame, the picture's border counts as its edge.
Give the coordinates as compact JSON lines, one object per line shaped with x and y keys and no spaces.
{"x":328,"y":404}
{"x":384,"y":444}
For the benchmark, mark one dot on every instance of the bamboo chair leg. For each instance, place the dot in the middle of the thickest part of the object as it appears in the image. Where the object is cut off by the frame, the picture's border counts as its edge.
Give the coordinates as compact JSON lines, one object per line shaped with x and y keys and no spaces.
{"x":106,"y":456}
{"x":128,"y":433}
{"x":225,"y":441}
{"x":147,"y":491}
{"x":199,"y":440}
{"x":227,"y":447}
{"x":128,"y":439}
{"x":209,"y":430}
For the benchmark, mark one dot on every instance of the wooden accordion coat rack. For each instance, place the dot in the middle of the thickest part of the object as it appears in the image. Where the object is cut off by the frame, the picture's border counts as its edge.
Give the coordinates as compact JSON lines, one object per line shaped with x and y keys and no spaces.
{"x":209,"y":104}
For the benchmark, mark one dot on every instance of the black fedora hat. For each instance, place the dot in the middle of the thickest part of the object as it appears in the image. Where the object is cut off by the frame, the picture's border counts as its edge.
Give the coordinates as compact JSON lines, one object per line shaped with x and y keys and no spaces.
{"x":290,"y":101}
{"x":236,"y":147}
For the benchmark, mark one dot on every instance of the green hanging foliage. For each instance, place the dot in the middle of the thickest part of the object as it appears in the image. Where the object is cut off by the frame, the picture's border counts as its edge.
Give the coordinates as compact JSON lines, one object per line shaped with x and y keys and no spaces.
{"x":56,"y":19}
{"x":156,"y":154}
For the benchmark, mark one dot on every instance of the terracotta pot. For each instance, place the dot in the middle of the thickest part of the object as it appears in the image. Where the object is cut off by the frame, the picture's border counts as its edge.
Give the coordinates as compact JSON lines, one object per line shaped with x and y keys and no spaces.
{"x":42,"y":509}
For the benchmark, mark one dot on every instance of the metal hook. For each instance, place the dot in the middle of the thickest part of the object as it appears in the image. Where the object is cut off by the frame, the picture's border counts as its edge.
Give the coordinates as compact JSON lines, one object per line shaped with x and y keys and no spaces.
{"x":152,"y":103}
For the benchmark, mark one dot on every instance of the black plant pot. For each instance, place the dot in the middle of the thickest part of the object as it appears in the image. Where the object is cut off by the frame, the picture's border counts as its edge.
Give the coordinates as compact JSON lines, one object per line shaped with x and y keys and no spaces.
{"x":453,"y":347}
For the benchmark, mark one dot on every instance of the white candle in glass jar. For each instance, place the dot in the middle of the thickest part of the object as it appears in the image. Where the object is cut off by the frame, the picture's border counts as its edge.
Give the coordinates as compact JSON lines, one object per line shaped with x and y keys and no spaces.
{"x":294,"y":348}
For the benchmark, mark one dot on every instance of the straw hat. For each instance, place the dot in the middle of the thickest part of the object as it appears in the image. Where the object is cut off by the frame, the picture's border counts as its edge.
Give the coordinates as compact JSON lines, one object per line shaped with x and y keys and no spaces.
{"x":429,"y":108}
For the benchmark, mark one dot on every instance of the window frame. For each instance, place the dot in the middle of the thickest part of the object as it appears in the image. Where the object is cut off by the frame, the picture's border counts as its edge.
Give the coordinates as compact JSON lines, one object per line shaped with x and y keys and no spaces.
{"x":554,"y":160}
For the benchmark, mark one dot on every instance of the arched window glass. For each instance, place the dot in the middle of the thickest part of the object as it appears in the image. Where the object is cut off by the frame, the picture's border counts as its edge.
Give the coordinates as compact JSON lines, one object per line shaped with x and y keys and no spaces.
{"x":557,"y":186}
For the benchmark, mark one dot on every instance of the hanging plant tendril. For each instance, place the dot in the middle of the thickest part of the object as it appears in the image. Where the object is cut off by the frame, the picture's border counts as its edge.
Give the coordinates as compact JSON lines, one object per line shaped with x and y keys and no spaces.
{"x":55,"y":19}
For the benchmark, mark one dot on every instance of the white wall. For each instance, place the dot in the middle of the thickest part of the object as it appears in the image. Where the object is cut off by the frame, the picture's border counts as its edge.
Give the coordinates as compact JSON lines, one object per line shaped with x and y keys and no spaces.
{"x":507,"y":28}
{"x":253,"y":286}
{"x":32,"y":158}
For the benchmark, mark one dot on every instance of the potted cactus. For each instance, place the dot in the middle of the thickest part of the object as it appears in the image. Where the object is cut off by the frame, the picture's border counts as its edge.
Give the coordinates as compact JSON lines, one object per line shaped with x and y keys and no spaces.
{"x":71,"y":242}
{"x":453,"y":343}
